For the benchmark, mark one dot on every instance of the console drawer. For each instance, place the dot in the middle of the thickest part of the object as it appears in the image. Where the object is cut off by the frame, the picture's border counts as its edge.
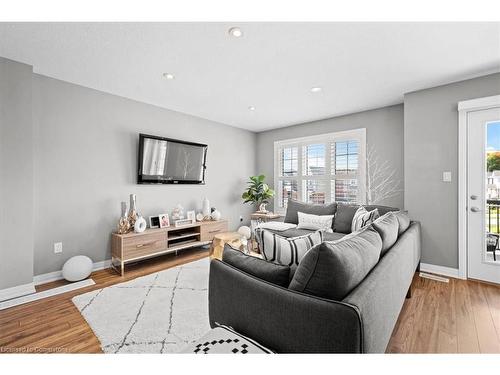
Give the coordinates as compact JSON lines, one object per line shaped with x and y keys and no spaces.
{"x":148,"y":244}
{"x":209,"y":230}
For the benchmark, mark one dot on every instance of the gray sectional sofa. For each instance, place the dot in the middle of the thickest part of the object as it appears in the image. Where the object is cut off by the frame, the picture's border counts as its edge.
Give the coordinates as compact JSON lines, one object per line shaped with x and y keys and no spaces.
{"x":291,"y":321}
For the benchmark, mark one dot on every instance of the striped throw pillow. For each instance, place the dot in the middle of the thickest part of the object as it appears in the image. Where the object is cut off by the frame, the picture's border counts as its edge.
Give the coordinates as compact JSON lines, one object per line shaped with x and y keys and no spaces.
{"x":362,"y":218}
{"x":283,"y":250}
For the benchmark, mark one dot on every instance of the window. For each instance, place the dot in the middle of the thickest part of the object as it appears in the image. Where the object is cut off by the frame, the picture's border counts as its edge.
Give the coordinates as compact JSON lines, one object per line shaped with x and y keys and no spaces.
{"x":320,"y":169}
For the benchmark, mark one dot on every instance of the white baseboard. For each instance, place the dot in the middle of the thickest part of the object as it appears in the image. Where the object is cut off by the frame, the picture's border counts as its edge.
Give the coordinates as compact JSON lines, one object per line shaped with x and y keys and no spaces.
{"x":17,"y":291}
{"x":57,"y":275}
{"x":46,"y":293}
{"x":439,"y":270}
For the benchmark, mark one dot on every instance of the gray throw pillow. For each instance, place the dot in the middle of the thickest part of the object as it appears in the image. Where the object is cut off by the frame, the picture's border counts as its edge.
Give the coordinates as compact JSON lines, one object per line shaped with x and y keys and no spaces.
{"x":343,"y":218}
{"x":270,"y":272}
{"x":333,"y":269}
{"x":387,"y":227}
{"x":403,"y":220}
{"x":293,"y":207}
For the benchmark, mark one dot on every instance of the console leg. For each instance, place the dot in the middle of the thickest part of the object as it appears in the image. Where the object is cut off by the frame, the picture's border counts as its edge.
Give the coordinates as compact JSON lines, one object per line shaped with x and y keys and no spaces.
{"x":408,"y":294}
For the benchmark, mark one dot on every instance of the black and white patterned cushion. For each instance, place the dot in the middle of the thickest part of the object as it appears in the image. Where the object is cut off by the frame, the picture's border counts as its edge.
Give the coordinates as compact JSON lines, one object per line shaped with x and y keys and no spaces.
{"x":283,"y":250}
{"x":362,"y":218}
{"x":225,"y":340}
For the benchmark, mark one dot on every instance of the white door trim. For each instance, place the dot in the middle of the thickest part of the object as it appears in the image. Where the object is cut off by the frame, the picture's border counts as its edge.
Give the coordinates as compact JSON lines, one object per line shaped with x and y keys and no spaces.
{"x":464,"y":107}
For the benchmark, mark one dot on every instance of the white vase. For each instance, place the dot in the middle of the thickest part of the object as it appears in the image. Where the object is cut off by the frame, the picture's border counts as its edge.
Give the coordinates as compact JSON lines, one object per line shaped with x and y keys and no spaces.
{"x":205,"y":210}
{"x":140,"y":225}
{"x":216,"y":215}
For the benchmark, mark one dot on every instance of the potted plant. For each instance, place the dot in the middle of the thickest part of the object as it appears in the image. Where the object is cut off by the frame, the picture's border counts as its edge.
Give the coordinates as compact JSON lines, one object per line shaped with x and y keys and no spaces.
{"x":258,"y":192}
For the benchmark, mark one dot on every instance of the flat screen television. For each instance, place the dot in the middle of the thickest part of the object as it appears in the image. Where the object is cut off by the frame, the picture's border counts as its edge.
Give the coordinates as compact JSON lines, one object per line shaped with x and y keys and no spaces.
{"x":170,"y":161}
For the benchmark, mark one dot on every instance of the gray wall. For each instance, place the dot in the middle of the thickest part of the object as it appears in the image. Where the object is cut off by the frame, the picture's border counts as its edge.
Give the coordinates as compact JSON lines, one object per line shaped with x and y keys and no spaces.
{"x":431,"y":147}
{"x":86,"y":163}
{"x":16,"y":175}
{"x":384,"y":131}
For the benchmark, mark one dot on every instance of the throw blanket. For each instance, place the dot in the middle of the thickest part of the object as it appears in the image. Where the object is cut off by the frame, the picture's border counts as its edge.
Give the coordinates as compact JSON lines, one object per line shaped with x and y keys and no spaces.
{"x":277,"y":226}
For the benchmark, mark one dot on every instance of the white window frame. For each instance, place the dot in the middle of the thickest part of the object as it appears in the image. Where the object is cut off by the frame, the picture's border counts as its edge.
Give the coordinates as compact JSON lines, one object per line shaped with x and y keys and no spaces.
{"x":326,"y":139}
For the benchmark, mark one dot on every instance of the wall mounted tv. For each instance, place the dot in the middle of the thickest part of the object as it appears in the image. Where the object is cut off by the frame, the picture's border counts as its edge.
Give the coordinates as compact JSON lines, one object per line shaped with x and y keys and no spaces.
{"x":170,"y":161}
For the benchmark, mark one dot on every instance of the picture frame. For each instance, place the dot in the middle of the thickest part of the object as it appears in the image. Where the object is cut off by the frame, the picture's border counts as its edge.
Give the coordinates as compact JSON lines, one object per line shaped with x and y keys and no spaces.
{"x":191,"y":215}
{"x":154,"y":222}
{"x":164,"y":220}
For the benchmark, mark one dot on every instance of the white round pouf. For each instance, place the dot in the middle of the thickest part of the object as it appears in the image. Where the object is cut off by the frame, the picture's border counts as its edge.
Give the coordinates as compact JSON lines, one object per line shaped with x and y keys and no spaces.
{"x":77,"y":268}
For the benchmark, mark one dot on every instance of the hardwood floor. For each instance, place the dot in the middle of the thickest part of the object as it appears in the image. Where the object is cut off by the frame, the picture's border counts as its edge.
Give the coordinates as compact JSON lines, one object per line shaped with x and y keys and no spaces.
{"x":54,"y":325}
{"x":462,"y":316}
{"x":455,"y":317}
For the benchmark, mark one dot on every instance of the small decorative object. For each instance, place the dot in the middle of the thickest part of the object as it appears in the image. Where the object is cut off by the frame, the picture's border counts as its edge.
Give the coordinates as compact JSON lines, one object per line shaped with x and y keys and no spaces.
{"x":154,"y":222}
{"x":244,"y":245}
{"x":199,"y":216}
{"x":178,"y":212}
{"x":216,"y":215}
{"x":258,"y":192}
{"x":132,"y":214}
{"x":140,"y":225}
{"x":245,"y":231}
{"x":183,"y":222}
{"x":191,"y":215}
{"x":77,"y":268}
{"x":123,"y":224}
{"x":205,"y":210}
{"x":164,"y":221}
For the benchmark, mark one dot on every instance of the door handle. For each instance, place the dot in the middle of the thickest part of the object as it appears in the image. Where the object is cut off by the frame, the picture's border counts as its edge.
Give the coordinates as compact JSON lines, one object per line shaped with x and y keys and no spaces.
{"x":473,"y":197}
{"x":475,"y":209}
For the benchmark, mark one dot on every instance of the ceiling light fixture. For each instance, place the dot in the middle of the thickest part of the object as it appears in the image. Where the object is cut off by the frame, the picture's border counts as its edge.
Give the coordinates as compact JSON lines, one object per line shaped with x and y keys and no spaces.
{"x":169,"y":76}
{"x":316,"y":89}
{"x":235,"y":32}
{"x":251,"y":108}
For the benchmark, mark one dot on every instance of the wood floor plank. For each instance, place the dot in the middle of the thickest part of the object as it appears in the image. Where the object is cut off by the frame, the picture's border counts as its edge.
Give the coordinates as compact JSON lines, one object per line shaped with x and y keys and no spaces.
{"x":492,"y":294}
{"x":486,"y":331}
{"x":467,"y":341}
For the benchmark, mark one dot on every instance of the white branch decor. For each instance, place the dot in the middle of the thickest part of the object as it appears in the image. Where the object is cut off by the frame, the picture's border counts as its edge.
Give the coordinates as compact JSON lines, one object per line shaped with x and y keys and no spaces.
{"x":381,"y":181}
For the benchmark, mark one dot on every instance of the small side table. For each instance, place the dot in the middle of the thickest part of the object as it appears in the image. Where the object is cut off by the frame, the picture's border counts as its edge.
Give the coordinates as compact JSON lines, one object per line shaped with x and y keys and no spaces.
{"x":257,"y":218}
{"x":220,"y":239}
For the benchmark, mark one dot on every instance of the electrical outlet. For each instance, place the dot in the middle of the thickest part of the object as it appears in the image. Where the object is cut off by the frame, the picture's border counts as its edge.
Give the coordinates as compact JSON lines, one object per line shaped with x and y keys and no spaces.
{"x":58,"y":248}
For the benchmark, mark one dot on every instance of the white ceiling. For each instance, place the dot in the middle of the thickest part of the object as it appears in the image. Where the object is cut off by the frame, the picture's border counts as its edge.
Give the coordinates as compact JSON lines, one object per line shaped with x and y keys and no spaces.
{"x":272,"y":67}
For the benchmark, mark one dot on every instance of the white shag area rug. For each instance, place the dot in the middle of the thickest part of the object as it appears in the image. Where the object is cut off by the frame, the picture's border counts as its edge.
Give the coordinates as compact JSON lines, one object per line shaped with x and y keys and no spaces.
{"x":158,"y":313}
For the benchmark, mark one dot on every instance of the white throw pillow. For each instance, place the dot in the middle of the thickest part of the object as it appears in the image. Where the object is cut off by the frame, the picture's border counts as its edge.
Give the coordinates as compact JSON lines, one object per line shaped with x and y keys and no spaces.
{"x":362,"y":218}
{"x":315,"y":222}
{"x":283,"y":250}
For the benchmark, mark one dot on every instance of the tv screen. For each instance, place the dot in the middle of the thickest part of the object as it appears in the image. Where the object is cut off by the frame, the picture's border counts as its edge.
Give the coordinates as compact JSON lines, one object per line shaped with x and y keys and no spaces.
{"x":170,"y":161}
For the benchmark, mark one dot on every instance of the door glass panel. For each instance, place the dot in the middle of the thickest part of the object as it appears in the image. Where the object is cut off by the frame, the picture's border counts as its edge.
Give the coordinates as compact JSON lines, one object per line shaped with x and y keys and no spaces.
{"x":492,"y":191}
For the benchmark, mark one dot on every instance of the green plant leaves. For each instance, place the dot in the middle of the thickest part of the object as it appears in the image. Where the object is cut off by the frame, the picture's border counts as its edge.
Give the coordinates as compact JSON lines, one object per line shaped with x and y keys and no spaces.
{"x":258,"y":191}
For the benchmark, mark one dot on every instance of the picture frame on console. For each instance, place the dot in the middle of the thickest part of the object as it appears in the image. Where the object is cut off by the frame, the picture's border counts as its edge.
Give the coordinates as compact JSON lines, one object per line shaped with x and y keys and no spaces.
{"x":154,"y":222}
{"x":164,"y":221}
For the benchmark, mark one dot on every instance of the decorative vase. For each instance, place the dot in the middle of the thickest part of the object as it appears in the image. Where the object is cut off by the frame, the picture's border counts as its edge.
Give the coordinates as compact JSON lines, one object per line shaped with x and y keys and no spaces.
{"x":140,"y":225}
{"x":205,"y":210}
{"x":123,"y":224}
{"x":216,"y":215}
{"x":262,"y":208}
{"x":132,"y":214}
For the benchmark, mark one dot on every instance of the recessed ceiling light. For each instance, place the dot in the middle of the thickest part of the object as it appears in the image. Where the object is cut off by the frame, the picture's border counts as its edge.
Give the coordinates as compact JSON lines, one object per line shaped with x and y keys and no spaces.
{"x":251,"y":108}
{"x":235,"y":32}
{"x":168,"y":76}
{"x":316,"y":89}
